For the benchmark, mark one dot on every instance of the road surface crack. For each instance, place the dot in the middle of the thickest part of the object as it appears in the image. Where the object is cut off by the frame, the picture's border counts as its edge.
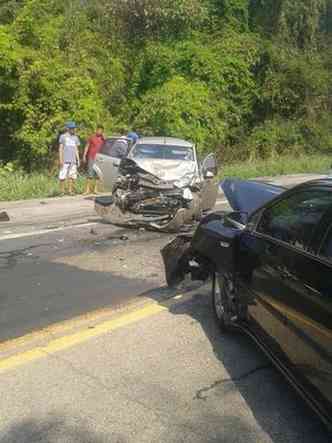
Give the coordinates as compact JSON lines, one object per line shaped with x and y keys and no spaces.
{"x":165,"y":418}
{"x":201,"y":393}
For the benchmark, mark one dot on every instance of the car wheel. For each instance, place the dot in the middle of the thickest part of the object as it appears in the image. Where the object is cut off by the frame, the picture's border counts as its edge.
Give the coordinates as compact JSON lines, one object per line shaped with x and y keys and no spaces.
{"x":222,"y":301}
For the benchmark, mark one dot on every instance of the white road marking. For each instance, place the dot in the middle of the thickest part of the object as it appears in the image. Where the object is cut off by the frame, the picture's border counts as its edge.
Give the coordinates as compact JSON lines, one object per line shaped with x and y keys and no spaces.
{"x":44,"y":231}
{"x":63,"y":228}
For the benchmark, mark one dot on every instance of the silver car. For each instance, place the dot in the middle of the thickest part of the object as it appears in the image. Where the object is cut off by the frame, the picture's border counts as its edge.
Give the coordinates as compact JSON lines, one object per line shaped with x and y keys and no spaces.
{"x":156,"y":183}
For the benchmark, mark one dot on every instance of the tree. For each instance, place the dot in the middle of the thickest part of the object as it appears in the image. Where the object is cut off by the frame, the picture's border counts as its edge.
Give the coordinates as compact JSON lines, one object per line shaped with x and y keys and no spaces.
{"x":139,"y":20}
{"x":230,"y":73}
{"x":184,"y":109}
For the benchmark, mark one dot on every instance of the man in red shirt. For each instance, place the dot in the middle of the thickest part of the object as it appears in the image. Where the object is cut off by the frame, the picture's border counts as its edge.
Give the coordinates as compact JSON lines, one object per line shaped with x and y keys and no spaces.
{"x":91,"y":150}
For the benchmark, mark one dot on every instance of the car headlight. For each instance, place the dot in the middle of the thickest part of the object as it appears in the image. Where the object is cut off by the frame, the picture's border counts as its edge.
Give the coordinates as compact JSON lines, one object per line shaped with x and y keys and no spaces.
{"x":187,"y":194}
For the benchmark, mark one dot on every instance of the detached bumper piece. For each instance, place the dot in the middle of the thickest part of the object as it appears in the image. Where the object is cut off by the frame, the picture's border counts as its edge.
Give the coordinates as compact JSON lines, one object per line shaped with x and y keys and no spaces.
{"x":180,"y":259}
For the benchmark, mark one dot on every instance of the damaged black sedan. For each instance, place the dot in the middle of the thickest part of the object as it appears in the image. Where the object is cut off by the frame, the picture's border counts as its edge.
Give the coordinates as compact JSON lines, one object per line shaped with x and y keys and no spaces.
{"x":159,"y":183}
{"x":270,"y":262}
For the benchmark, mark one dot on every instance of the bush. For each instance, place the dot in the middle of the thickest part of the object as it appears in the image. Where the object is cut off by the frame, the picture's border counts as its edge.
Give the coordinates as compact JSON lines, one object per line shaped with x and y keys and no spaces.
{"x":274,"y":138}
{"x":183,"y":109}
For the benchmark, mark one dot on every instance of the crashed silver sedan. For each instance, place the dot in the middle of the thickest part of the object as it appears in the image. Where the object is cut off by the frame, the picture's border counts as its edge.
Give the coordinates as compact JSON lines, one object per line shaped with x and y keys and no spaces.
{"x":158,"y":183}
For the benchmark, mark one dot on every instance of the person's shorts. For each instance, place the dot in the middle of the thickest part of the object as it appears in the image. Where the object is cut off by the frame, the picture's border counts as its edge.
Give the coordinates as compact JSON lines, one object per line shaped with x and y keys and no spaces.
{"x":91,"y":169}
{"x":68,"y":170}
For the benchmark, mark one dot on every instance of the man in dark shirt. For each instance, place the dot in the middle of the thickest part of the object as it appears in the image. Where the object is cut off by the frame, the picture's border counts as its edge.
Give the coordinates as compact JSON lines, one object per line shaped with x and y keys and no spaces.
{"x":120,"y":147}
{"x":92,"y":148}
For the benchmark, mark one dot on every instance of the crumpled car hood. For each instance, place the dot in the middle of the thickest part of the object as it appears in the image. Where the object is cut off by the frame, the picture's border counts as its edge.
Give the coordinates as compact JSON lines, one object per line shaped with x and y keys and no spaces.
{"x":249,"y":195}
{"x":170,"y":170}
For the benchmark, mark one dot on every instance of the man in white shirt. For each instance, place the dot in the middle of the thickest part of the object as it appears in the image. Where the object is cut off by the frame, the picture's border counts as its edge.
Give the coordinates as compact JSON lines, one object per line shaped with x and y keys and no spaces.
{"x":69,"y":158}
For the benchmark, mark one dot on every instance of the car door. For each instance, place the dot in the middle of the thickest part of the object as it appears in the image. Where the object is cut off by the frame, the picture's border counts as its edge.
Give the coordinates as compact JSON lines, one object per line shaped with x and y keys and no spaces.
{"x":292,"y":284}
{"x":318,"y":287}
{"x":108,"y":161}
{"x":209,"y":191}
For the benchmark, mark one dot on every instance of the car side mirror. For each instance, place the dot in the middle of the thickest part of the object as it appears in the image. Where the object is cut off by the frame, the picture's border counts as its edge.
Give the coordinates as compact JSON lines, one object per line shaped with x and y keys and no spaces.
{"x":239,"y":217}
{"x":209,"y":166}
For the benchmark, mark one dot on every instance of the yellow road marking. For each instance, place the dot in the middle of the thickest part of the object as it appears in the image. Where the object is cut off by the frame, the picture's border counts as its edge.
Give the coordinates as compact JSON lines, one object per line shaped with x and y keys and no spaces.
{"x":67,"y":325}
{"x":69,"y":341}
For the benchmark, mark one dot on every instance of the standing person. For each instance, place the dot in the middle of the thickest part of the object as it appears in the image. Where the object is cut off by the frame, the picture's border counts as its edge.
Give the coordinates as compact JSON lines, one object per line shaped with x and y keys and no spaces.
{"x":69,"y":157}
{"x":121,"y":147}
{"x":133,"y":136}
{"x":91,"y":150}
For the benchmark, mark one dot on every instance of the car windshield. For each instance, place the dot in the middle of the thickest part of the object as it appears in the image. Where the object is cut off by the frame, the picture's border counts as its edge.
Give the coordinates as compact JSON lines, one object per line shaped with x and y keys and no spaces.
{"x":163,"y":152}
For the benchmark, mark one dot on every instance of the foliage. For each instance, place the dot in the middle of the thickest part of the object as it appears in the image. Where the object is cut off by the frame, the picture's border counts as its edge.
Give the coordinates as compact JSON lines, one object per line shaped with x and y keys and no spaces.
{"x":295,"y":84}
{"x":271,"y":167}
{"x":249,"y":79}
{"x":157,"y":18}
{"x":184,"y":109}
{"x":22,"y":186}
{"x":18,"y":185}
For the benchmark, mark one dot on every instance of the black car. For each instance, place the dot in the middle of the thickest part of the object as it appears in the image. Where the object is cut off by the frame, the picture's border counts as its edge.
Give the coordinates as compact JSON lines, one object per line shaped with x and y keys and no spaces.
{"x":271,"y":266}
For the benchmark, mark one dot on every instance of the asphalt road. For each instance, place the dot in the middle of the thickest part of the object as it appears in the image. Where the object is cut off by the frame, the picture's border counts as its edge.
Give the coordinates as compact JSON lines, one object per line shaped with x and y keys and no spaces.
{"x":160,"y":372}
{"x":70,"y":372}
{"x":53,"y":277}
{"x":57,"y":261}
{"x":51,"y":273}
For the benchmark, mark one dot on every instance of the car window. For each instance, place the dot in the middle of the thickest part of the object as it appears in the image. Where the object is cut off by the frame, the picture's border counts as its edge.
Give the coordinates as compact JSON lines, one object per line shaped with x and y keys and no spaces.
{"x":115,"y":148}
{"x":326,"y":250}
{"x":295,"y":218}
{"x":163,"y":152}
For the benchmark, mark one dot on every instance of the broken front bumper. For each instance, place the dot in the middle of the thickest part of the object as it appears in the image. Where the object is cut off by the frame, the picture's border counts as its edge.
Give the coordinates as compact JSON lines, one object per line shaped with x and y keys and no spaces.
{"x":111,"y":213}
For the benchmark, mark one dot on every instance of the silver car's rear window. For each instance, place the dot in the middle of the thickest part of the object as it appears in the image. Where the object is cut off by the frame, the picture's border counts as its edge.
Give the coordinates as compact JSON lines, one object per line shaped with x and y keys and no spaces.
{"x":163,"y":152}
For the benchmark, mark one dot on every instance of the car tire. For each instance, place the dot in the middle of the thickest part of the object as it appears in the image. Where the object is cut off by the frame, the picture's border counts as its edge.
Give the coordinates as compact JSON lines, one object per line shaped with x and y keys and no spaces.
{"x":222,"y":293}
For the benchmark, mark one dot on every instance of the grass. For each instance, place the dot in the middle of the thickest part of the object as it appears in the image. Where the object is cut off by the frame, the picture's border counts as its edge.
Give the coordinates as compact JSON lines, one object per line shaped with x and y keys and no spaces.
{"x":278,"y":166}
{"x":20,"y":186}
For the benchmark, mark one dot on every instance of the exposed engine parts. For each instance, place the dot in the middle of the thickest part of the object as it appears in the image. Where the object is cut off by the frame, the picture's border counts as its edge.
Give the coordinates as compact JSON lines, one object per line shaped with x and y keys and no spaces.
{"x":140,"y":198}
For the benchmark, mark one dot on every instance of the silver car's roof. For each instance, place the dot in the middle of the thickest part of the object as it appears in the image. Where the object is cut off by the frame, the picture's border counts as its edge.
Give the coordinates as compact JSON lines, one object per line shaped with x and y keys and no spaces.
{"x":164,"y":141}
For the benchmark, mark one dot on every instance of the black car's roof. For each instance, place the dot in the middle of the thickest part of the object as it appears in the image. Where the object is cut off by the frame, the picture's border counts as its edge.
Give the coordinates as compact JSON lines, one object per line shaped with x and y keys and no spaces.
{"x":318,"y":182}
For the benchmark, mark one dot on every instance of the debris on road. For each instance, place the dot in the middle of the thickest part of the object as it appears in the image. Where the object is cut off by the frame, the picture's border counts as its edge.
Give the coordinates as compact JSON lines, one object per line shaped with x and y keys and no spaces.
{"x":117,"y":257}
{"x":4,"y":217}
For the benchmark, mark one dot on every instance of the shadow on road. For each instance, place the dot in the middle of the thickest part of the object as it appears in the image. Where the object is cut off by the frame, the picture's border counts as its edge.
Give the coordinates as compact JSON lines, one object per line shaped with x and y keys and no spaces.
{"x":278,"y":411}
{"x":33,"y":297}
{"x":55,"y":429}
{"x":59,"y":429}
{"x":277,"y":408}
{"x":49,"y":292}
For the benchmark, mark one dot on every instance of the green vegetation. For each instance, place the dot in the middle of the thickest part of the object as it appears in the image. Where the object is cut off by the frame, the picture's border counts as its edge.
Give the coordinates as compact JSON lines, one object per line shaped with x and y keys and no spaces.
{"x":19,"y":185}
{"x":278,"y":166}
{"x":248,"y":79}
